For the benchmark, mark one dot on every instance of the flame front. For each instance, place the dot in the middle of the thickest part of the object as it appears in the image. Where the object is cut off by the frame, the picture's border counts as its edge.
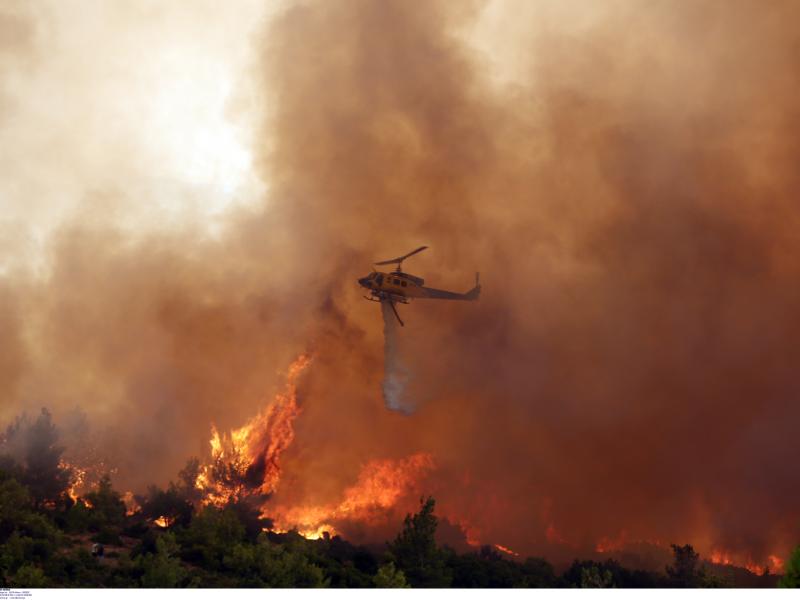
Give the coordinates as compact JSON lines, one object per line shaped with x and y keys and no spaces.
{"x":380,"y":485}
{"x":773,"y":563}
{"x":245,"y":462}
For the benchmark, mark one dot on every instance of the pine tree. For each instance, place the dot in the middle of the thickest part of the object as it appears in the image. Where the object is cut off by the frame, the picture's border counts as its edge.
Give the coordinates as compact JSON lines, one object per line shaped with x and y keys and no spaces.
{"x":415,"y":551}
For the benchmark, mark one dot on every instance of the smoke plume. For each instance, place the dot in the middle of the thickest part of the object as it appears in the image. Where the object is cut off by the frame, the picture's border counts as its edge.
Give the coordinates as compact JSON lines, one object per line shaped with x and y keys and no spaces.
{"x":623,"y":175}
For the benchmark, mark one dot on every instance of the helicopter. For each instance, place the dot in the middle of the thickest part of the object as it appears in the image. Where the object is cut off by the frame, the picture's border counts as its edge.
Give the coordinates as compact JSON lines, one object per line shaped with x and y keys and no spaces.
{"x":398,"y":286}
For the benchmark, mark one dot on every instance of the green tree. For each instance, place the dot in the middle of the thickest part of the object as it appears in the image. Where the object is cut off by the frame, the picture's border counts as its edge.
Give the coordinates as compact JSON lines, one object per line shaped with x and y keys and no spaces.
{"x":28,"y":576}
{"x":106,"y":511}
{"x":27,"y":537}
{"x":265,"y":564}
{"x":686,"y":571}
{"x":538,"y":573}
{"x":34,"y":446}
{"x":415,"y":551}
{"x":15,"y":503}
{"x":593,"y":577}
{"x":389,"y":576}
{"x":163,"y":568}
{"x":791,"y":578}
{"x":210,"y":536}
{"x":169,"y":504}
{"x":187,"y":477}
{"x":77,"y":517}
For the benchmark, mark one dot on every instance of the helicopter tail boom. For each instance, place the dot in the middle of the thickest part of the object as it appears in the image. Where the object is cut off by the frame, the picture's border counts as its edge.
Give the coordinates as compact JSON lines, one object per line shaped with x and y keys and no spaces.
{"x":435,"y":294}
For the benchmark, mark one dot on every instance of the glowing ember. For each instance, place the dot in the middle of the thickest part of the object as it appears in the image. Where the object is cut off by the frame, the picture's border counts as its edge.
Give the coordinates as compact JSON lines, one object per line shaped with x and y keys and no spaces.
{"x":162,"y":522}
{"x":245,"y":462}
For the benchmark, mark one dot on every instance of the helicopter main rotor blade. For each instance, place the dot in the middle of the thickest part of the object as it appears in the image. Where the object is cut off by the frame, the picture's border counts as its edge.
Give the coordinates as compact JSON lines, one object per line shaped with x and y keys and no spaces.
{"x":400,"y":259}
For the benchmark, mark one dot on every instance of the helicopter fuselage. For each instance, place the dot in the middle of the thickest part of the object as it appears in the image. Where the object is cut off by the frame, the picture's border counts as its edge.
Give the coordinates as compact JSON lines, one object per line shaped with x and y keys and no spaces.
{"x":401,"y":287}
{"x":397,"y":287}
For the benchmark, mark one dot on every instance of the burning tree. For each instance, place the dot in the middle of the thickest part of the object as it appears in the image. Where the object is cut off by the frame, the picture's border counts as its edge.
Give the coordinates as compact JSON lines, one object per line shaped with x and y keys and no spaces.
{"x":246,"y":462}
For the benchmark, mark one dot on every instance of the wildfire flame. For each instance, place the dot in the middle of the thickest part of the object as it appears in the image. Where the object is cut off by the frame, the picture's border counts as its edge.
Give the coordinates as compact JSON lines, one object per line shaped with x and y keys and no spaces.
{"x":131,"y":505}
{"x":505,"y":550}
{"x":380,"y":485}
{"x":85,"y":477}
{"x":245,"y":462}
{"x":162,"y":522}
{"x":77,"y":479}
{"x":774,"y":563}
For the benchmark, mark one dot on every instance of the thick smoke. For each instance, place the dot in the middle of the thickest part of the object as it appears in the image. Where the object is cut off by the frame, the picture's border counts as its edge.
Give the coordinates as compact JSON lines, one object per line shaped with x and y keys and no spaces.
{"x":395,"y":374}
{"x":624,"y":176}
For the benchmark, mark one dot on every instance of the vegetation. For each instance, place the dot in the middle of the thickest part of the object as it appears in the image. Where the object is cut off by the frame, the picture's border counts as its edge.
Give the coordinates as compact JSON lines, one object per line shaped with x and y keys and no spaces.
{"x":47,"y":539}
{"x":792,"y":577}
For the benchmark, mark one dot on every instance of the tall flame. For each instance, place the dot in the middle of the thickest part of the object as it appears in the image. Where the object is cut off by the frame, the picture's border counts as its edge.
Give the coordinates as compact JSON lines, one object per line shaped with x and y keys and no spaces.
{"x":245,"y":462}
{"x":77,"y":479}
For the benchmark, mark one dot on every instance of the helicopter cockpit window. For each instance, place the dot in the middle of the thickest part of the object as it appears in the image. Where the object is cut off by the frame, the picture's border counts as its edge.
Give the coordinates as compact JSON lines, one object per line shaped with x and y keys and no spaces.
{"x":379,"y":279}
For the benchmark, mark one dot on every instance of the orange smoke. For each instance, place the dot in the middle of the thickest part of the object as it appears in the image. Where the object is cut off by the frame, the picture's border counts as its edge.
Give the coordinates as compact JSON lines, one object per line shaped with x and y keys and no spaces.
{"x":632,"y":205}
{"x":246,"y":461}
